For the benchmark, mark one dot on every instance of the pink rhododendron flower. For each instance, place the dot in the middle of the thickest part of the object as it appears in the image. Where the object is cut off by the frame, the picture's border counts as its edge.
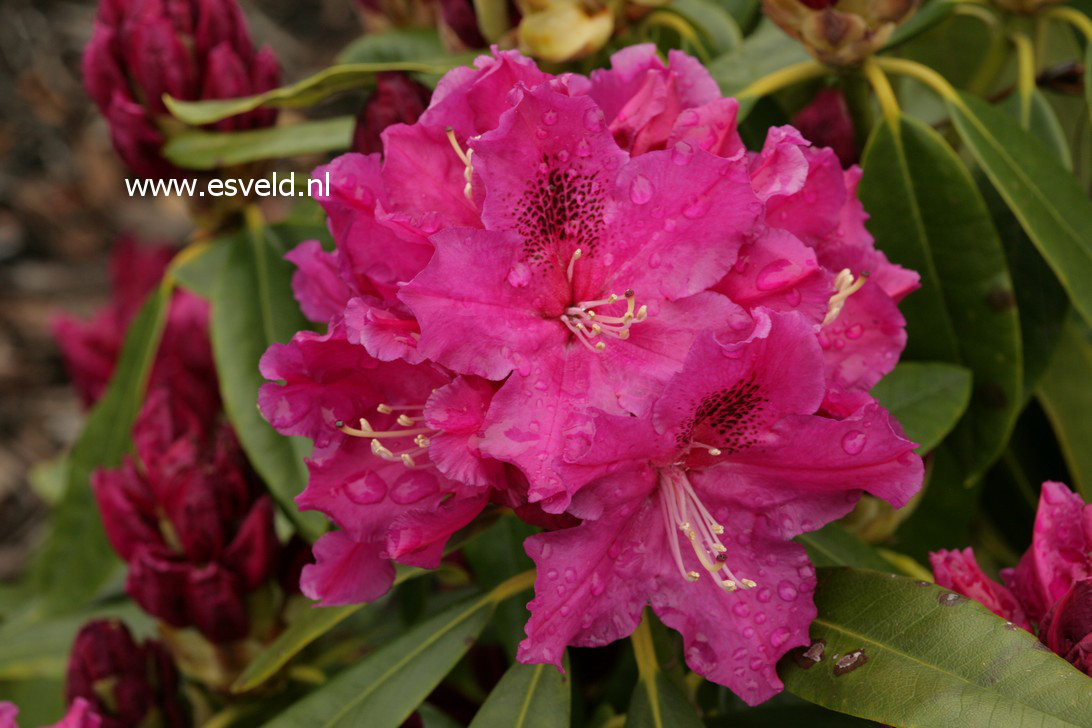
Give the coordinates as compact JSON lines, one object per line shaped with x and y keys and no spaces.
{"x":695,"y":508}
{"x":584,"y":299}
{"x":1052,"y":584}
{"x":80,"y":715}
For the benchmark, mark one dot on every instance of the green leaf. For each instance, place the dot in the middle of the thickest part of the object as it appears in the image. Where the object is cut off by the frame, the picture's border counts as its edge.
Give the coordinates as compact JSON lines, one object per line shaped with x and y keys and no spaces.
{"x":393,"y":46}
{"x":930,"y":15}
{"x":496,"y":555}
{"x":657,"y":702}
{"x":383,"y":689}
{"x":832,"y":545}
{"x":528,"y":696}
{"x":1047,"y":200}
{"x":905,"y":652}
{"x":1043,"y":124}
{"x":764,"y":51}
{"x":717,"y":28}
{"x":927,"y":215}
{"x":927,"y":398}
{"x":252,"y":308}
{"x":309,"y":91}
{"x":198,"y":274}
{"x":311,"y":625}
{"x":213,"y":149}
{"x":77,"y":560}
{"x":1088,"y":76}
{"x":1066,"y":395}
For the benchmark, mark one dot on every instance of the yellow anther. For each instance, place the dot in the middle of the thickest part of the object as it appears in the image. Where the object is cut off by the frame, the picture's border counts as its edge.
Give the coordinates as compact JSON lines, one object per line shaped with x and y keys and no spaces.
{"x":728,"y":585}
{"x":384,"y":408}
{"x":748,"y":583}
{"x":693,"y":575}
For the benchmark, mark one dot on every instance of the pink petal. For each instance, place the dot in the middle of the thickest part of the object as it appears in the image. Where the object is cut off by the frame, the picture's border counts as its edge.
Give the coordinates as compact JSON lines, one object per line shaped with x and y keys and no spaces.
{"x":710,"y":127}
{"x":959,"y":571}
{"x":317,"y":283}
{"x":458,"y":409}
{"x":346,"y":572}
{"x":386,"y":329}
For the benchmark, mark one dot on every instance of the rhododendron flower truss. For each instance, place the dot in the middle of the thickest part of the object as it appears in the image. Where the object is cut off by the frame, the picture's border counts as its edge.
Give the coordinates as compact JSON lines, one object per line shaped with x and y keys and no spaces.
{"x":694,"y":508}
{"x":589,"y":280}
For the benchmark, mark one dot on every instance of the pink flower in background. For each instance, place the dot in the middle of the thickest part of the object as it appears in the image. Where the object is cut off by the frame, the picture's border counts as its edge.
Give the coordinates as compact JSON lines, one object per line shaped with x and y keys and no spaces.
{"x":694,"y":508}
{"x":80,"y":715}
{"x":1052,"y":585}
{"x":191,"y":49}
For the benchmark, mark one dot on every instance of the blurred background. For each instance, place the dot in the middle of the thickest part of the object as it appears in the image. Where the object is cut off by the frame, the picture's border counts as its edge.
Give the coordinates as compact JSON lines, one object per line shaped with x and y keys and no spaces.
{"x":63,"y":204}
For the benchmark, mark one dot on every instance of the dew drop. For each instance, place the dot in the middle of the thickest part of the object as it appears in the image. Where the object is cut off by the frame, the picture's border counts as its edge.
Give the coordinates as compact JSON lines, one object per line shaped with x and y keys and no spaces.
{"x":775,"y":275}
{"x":563,"y":156}
{"x":640,"y":190}
{"x":670,"y":224}
{"x":854,"y":331}
{"x":786,"y":591}
{"x":682,"y":153}
{"x":583,"y":149}
{"x":793,"y":297}
{"x":593,"y":119}
{"x":570,"y":575}
{"x":697,"y":208}
{"x":760,"y":618}
{"x":854,"y":441}
{"x":654,"y":260}
{"x":541,"y":133}
{"x":688,"y":118}
{"x":368,"y":489}
{"x":741,"y":610}
{"x":549,"y":118}
{"x":551,"y":574}
{"x":740,"y":653}
{"x":413,"y":486}
{"x":519,"y":275}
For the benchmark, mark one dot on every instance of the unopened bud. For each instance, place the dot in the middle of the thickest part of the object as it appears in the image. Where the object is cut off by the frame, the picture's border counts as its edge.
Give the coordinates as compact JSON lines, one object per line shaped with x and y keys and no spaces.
{"x":840,"y":32}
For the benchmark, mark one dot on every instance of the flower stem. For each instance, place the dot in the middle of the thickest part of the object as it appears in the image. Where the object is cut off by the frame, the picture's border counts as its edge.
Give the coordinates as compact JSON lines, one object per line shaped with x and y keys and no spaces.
{"x":1074,"y":17}
{"x":1025,"y":75}
{"x":859,"y":101}
{"x":922,"y":73}
{"x":512,"y":586}
{"x":788,"y":76}
{"x":644,"y":651}
{"x":889,"y":103}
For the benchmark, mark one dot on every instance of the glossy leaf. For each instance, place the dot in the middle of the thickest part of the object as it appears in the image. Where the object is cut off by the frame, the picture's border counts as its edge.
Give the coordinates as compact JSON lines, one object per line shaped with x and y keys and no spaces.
{"x":717,"y":28}
{"x":1066,"y":395}
{"x":494,"y":556}
{"x":528,"y":696}
{"x":383,"y":689}
{"x":198,"y":274}
{"x":764,"y":51}
{"x":657,"y":701}
{"x":309,"y":91}
{"x":253,"y":307}
{"x":1048,"y":201}
{"x":832,"y":545}
{"x":392,"y":46}
{"x":927,"y":398}
{"x":927,"y":214}
{"x":77,"y":559}
{"x":904,"y":652}
{"x":310,"y":626}
{"x":214,"y":149}
{"x":1043,"y":124}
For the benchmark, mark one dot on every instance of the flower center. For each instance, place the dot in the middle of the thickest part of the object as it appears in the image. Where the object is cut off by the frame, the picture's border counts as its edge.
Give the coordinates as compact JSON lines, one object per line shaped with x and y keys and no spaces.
{"x":398,"y":439}
{"x":844,"y":287}
{"x":683,"y":510}
{"x":588,"y":325}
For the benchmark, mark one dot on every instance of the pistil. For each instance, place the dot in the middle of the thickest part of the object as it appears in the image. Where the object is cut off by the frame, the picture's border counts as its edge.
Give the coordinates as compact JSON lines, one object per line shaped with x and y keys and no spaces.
{"x":682,"y":509}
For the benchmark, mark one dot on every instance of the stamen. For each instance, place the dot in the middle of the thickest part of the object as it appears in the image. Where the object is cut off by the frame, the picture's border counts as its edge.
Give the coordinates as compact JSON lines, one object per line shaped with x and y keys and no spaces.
{"x":466,"y":158}
{"x":683,"y":510}
{"x":421,"y":436}
{"x":714,"y":451}
{"x":844,"y":287}
{"x":572,"y":262}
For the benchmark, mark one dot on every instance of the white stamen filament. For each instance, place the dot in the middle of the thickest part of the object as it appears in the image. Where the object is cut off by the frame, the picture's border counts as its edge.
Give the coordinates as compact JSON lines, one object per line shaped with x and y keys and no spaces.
{"x":421,"y":436}
{"x":682,"y":509}
{"x":466,"y":158}
{"x":588,"y":324}
{"x":844,"y":287}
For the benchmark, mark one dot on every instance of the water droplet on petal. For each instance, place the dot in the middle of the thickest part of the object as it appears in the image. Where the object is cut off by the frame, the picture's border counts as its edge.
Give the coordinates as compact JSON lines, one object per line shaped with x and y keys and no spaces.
{"x":519,"y":275}
{"x":854,"y":331}
{"x":775,"y":275}
{"x":654,"y":260}
{"x":793,"y":297}
{"x":413,"y":486}
{"x":741,"y":610}
{"x":583,"y":149}
{"x":697,"y":208}
{"x":682,"y":153}
{"x":570,"y":575}
{"x":593,"y":119}
{"x":854,"y":441}
{"x":549,"y":118}
{"x":786,"y":591}
{"x":779,"y":636}
{"x":640,"y":190}
{"x":551,"y":574}
{"x":369,"y":489}
{"x":764,"y":595}
{"x":669,"y":224}
{"x":688,"y":118}
{"x":541,"y":133}
{"x":563,"y":156}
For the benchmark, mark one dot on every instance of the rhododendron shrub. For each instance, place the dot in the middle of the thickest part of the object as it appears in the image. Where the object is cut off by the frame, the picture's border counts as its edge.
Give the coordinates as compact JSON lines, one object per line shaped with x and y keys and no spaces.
{"x":670,"y":338}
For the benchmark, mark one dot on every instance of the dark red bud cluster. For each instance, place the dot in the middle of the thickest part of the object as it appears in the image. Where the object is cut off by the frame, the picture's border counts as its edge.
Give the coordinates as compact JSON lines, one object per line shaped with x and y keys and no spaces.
{"x":397,"y":99}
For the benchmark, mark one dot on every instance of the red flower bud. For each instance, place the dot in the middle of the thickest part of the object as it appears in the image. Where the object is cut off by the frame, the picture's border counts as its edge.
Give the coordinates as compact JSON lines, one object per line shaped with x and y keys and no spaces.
{"x":126,"y":684}
{"x":826,"y":122}
{"x":216,"y":603}
{"x":1067,"y":627}
{"x":398,"y":99}
{"x":190,"y":49}
{"x":459,"y":15}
